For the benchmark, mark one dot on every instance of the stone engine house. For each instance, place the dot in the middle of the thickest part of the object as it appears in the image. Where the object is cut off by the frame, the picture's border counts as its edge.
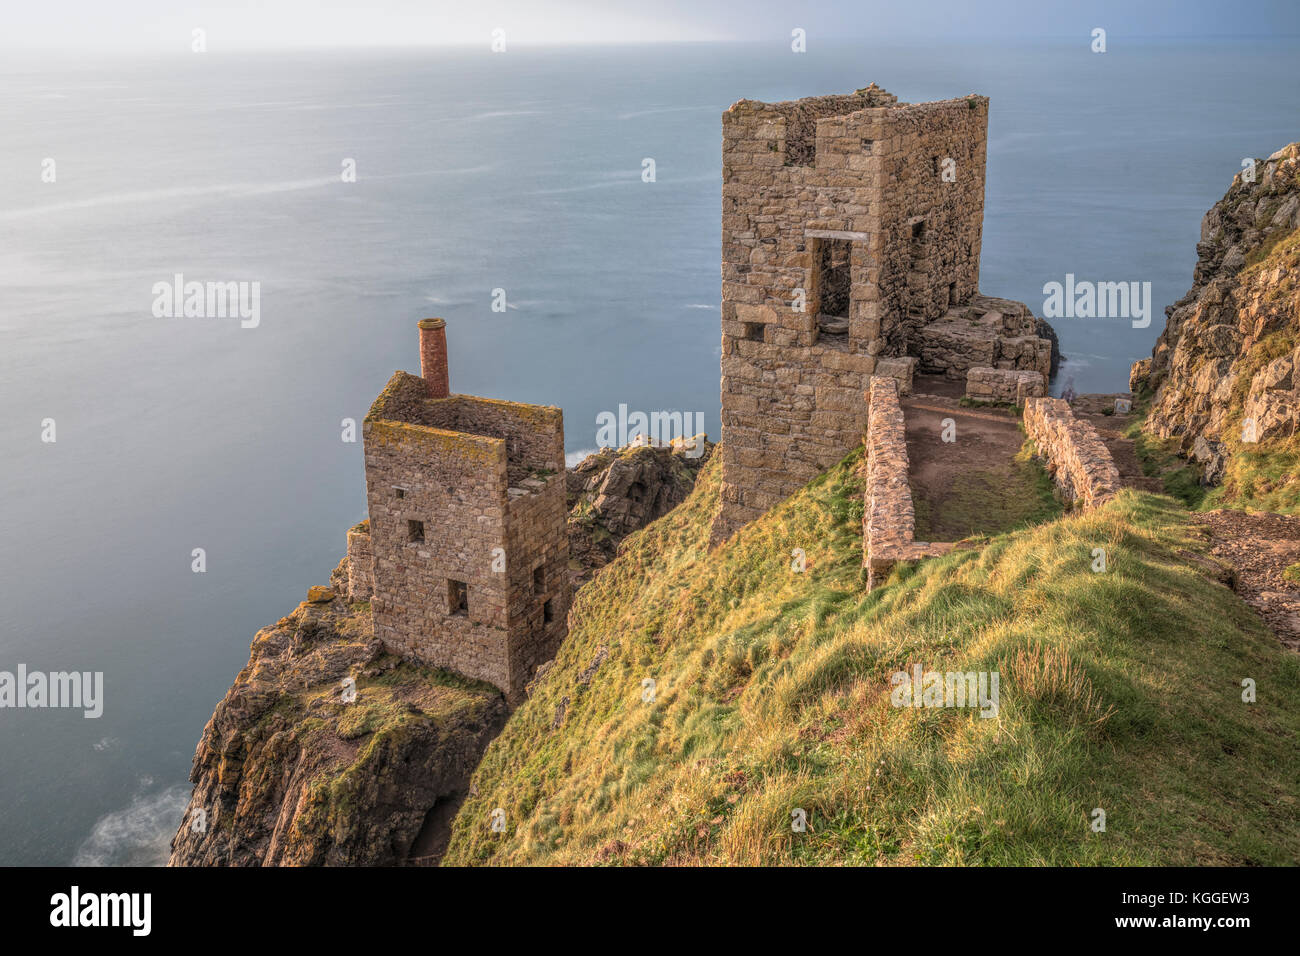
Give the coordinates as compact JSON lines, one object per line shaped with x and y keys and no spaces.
{"x":851,"y":231}
{"x":466,"y":548}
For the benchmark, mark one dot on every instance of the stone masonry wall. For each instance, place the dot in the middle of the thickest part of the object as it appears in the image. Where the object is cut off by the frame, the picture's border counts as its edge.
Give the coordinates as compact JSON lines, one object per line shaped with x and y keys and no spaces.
{"x":805,"y":182}
{"x":480,"y":504}
{"x":361,"y":563}
{"x":538,"y":533}
{"x":920,"y":278}
{"x":1074,"y":454}
{"x":1004,"y":385}
{"x":454,"y":484}
{"x":534,"y":438}
{"x":533,"y":433}
{"x":889,"y":518}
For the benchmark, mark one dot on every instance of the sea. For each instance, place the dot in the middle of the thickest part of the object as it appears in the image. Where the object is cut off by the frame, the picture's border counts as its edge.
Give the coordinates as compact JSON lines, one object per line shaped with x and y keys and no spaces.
{"x":354,"y":192}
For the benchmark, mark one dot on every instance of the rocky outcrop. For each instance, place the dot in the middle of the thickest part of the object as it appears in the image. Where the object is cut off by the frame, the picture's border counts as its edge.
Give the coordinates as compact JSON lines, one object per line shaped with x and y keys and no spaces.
{"x":1043,"y":329}
{"x":617,"y":491}
{"x":327,"y":751}
{"x":1225,"y":367}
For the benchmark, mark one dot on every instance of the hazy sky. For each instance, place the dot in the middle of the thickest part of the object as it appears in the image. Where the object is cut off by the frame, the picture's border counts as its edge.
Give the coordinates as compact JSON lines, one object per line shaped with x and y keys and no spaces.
{"x":162,"y":25}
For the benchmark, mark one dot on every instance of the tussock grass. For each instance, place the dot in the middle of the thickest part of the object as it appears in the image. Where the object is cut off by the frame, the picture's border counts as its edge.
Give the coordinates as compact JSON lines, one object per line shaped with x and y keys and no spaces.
{"x":1264,"y":476}
{"x":1119,"y":690}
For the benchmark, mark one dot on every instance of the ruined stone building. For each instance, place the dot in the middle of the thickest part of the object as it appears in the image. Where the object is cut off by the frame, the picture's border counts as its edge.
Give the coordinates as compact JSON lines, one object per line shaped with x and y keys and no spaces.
{"x":850,"y":247}
{"x":465,"y":558}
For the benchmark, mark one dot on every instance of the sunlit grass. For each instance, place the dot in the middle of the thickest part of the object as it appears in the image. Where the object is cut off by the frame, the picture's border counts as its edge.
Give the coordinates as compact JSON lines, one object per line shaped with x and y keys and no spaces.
{"x":1119,"y":690}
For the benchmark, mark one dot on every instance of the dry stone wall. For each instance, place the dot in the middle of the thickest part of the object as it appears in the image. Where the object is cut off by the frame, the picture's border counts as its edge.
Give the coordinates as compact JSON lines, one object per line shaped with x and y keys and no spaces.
{"x":1074,"y":454}
{"x":1004,"y":385}
{"x":889,"y":518}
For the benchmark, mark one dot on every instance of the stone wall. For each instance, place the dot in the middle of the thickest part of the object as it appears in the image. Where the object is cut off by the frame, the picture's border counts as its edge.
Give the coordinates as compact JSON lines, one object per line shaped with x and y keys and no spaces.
{"x":537,"y":532}
{"x":1074,"y":454}
{"x":902,"y":369}
{"x":361,"y":563}
{"x":794,"y":176}
{"x":452,"y":510}
{"x":920,"y":277}
{"x":1004,"y":385}
{"x":533,"y":433}
{"x":889,"y":518}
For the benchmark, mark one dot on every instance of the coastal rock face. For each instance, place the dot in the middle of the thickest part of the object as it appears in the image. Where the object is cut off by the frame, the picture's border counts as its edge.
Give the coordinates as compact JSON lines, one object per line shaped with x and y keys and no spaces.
{"x":290,"y":772}
{"x":1227,"y":359}
{"x":615,"y":492}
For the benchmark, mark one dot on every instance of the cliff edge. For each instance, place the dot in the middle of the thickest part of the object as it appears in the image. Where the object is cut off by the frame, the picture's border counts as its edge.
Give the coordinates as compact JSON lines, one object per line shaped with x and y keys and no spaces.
{"x":294,"y":770}
{"x":290,"y":772}
{"x":1226,"y":370}
{"x":616,"y":491}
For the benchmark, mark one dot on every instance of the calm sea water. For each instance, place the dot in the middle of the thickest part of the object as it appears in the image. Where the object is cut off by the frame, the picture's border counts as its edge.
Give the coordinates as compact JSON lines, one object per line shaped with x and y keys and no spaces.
{"x":475,"y":172}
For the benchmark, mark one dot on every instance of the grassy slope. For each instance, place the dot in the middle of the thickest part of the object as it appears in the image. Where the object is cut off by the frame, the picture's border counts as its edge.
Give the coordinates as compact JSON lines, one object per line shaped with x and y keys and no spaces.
{"x":1119,"y":690}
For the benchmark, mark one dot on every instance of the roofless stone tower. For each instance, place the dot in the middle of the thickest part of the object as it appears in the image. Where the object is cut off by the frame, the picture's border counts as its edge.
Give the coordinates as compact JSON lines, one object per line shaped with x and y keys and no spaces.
{"x":467,"y":525}
{"x":851,"y":233}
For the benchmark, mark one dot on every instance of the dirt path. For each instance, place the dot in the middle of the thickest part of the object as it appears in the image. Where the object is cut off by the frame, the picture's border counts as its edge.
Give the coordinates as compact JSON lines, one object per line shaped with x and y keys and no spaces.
{"x":1110,"y":428}
{"x":1260,"y":546}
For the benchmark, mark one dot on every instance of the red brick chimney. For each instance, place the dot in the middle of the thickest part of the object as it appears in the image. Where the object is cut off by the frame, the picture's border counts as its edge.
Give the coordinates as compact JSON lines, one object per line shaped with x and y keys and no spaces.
{"x":433,"y":356}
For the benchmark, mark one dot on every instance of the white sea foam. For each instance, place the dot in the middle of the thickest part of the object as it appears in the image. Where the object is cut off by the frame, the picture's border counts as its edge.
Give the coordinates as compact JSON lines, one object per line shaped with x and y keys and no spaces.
{"x":138,"y":835}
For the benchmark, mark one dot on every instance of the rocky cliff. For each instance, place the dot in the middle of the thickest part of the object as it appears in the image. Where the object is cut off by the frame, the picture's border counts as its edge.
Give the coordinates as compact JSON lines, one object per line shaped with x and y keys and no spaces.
{"x":291,"y":770}
{"x":1226,"y":369}
{"x":617,"y":491}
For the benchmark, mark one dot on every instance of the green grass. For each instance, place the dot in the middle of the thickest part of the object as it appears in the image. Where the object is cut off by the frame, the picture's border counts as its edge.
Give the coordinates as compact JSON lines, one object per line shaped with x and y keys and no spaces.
{"x":1260,"y":477}
{"x":1159,"y":458}
{"x":1265,"y":249}
{"x":1119,"y":690}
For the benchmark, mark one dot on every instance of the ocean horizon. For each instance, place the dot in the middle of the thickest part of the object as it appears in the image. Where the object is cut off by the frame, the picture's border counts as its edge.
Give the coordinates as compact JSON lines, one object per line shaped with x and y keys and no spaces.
{"x":504,"y":194}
